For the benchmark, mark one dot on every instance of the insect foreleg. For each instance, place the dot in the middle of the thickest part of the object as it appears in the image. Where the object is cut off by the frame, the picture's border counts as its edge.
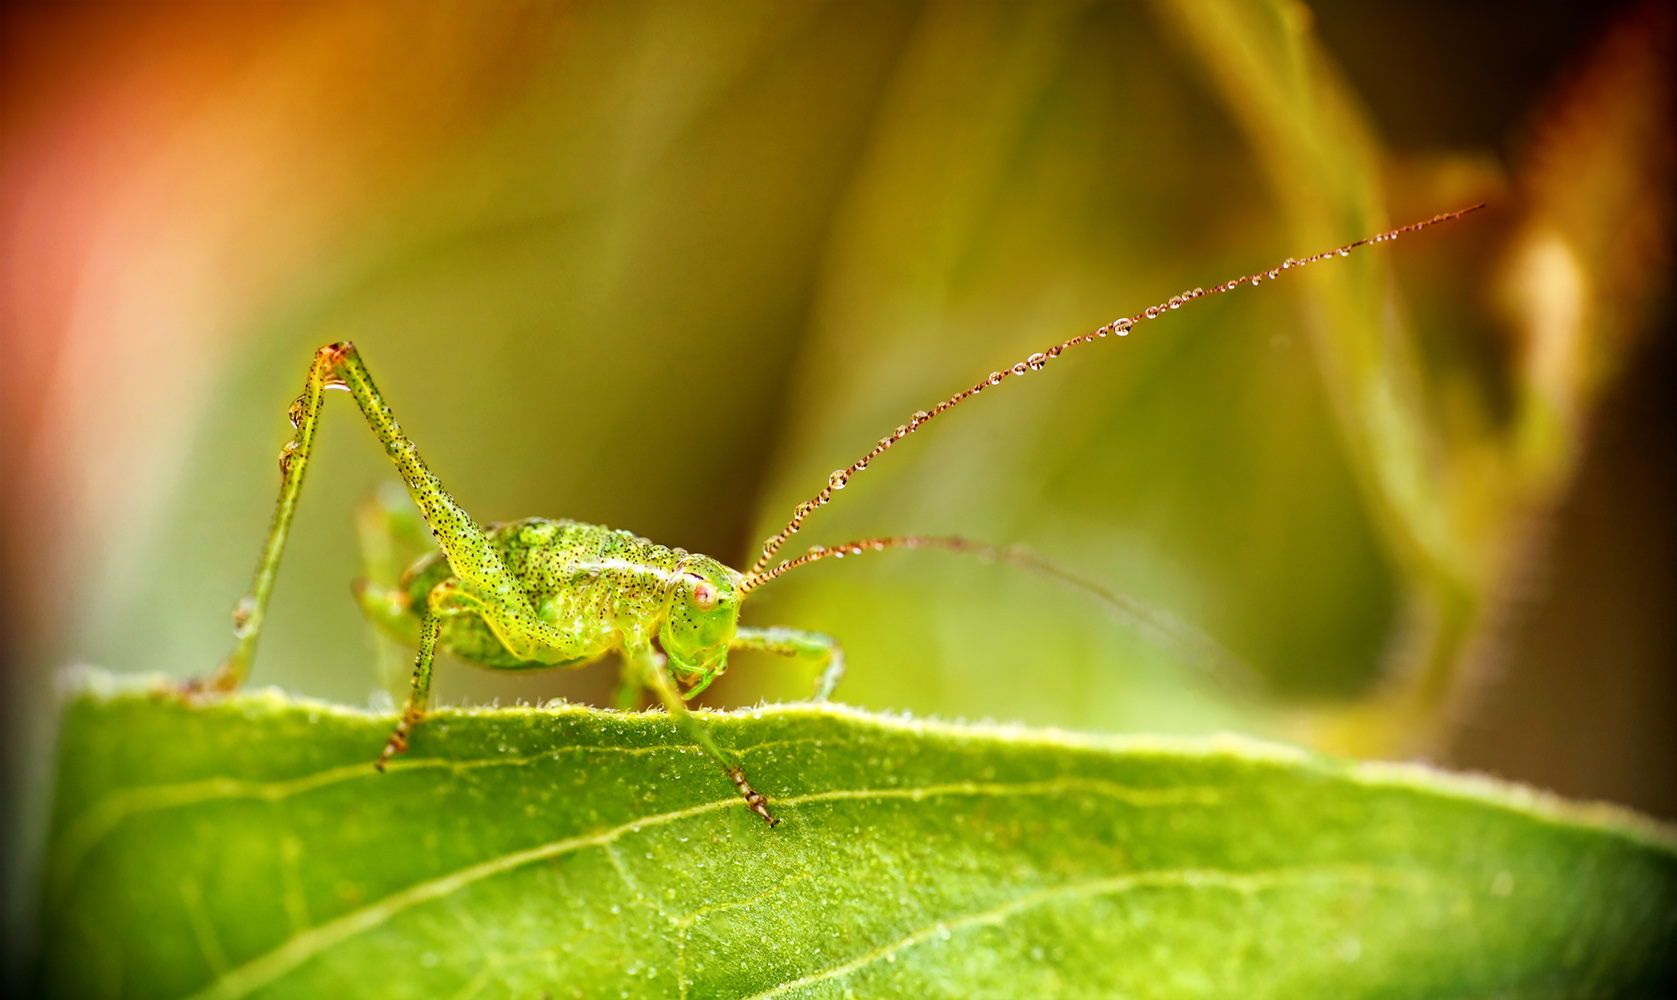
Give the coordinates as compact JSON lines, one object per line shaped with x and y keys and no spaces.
{"x":799,"y":645}
{"x":651,"y":666}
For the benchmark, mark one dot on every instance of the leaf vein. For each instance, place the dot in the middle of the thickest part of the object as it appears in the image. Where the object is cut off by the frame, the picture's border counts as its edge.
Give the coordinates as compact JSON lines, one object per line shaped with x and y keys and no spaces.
{"x":1245,"y":883}
{"x":295,"y":951}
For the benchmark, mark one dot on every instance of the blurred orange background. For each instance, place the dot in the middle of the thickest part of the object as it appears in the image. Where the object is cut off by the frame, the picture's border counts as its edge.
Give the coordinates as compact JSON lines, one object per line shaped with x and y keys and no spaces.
{"x":661,"y":266}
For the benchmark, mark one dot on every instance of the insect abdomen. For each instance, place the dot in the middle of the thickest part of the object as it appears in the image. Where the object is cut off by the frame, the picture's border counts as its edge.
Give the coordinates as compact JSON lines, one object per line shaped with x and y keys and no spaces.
{"x":586,"y":578}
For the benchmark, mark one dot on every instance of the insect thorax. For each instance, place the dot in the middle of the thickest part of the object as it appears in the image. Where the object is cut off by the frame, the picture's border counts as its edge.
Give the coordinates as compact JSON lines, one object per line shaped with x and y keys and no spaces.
{"x":592,"y":583}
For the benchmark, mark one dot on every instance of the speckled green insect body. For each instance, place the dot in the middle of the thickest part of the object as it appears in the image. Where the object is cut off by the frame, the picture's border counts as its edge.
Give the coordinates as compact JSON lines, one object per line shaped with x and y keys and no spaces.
{"x":527,"y":594}
{"x":593,"y":584}
{"x":539,"y":593}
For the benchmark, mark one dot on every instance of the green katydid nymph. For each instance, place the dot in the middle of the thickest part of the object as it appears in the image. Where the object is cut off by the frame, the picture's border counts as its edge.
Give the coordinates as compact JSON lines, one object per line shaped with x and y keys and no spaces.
{"x":542,"y":593}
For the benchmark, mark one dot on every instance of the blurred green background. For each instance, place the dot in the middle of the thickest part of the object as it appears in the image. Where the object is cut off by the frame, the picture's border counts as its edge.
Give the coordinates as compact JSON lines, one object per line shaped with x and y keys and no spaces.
{"x":663,"y":266}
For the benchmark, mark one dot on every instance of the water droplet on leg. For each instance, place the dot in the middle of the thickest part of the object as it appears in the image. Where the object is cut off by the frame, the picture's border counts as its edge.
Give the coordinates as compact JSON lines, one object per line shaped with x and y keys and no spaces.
{"x":242,"y":613}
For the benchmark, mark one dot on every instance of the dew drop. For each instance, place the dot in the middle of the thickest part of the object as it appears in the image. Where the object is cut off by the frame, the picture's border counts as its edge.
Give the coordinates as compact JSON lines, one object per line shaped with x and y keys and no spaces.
{"x":1289,"y":262}
{"x":995,"y":378}
{"x":1123,"y":326}
{"x":1197,"y":292}
{"x":1275,"y":272}
{"x":920,"y":417}
{"x":838,"y":479}
{"x":901,"y":432}
{"x":1344,"y":252}
{"x":1036,"y":361}
{"x":242,"y":613}
{"x":1020,"y":369}
{"x":285,"y":457}
{"x":1054,"y":351}
{"x":296,"y":411}
{"x":1175,"y":302}
{"x":1152,"y":312}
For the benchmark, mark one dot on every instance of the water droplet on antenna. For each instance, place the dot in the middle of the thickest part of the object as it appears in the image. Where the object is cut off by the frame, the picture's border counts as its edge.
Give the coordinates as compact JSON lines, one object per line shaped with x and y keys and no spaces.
{"x":1036,"y":361}
{"x":838,"y":479}
{"x":995,"y":378}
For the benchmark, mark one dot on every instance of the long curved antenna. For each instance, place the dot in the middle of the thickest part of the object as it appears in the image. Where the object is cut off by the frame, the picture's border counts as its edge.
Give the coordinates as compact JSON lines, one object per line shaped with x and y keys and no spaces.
{"x":1162,"y":625}
{"x":760,"y":572}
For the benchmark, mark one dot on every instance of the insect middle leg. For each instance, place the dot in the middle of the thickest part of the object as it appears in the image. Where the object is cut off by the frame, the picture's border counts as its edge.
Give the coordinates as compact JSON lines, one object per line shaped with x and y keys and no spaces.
{"x":420,"y":694}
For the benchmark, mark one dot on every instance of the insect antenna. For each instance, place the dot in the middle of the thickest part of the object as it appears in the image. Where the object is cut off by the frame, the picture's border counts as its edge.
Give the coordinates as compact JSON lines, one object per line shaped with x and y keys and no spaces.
{"x":1200,"y":649}
{"x":760,"y":572}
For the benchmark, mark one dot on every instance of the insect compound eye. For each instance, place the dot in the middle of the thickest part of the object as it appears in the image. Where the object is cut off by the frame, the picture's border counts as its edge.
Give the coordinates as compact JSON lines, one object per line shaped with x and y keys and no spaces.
{"x":704,"y":595}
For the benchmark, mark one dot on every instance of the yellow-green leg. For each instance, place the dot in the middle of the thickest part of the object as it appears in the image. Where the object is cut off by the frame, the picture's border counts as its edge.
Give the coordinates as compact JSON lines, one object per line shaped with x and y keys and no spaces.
{"x":493,"y":591}
{"x":252,"y":609}
{"x":650,"y":665}
{"x":823,"y":650}
{"x":419,"y":696}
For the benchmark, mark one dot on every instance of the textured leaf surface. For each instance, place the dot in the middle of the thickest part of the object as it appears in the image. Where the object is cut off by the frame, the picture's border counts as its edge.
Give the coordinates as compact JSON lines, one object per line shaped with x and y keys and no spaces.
{"x":248,"y":849}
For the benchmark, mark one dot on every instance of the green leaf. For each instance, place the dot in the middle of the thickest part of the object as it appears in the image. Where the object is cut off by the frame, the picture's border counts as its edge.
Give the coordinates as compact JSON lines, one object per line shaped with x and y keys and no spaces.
{"x":247,"y":848}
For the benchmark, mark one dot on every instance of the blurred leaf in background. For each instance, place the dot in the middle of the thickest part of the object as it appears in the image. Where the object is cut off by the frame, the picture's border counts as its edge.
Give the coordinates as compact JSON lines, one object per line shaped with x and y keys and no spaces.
{"x":664,"y":266}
